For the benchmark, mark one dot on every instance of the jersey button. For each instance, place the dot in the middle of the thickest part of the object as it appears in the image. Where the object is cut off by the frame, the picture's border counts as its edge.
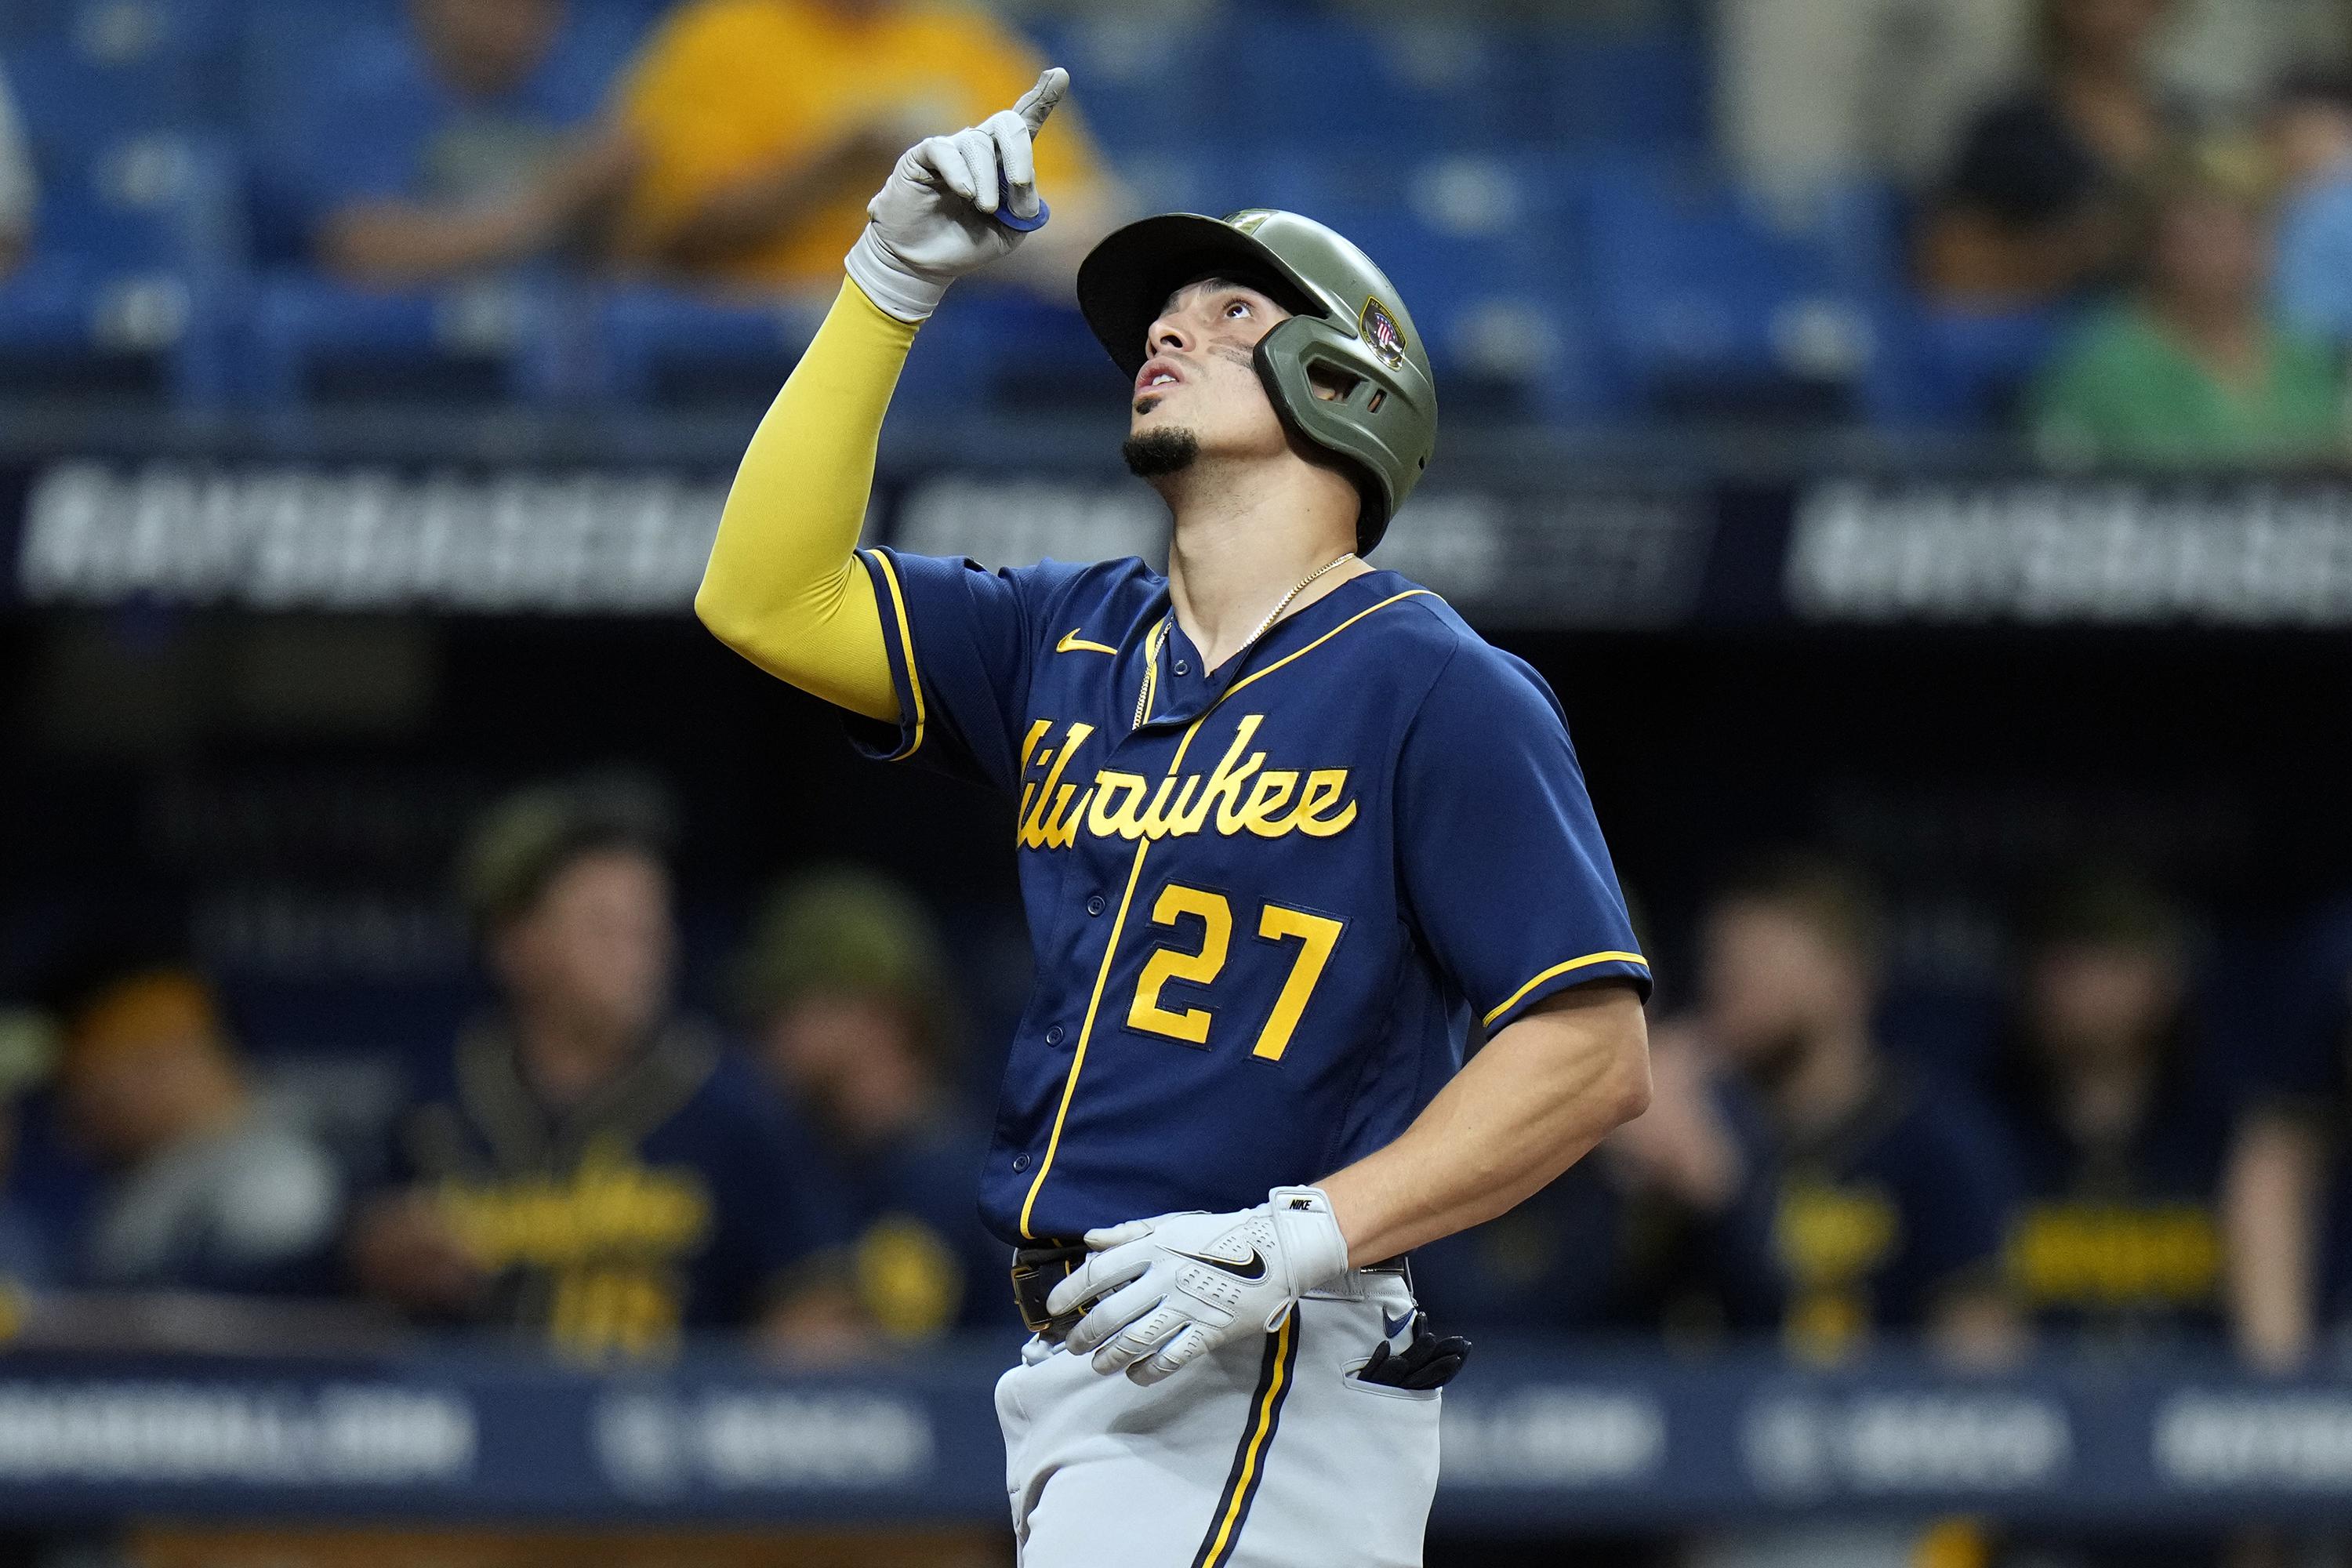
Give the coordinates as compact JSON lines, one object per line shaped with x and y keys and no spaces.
{"x":1095,"y":905}
{"x":1019,"y":1162}
{"x":1183,"y":669}
{"x":1054,"y":1035}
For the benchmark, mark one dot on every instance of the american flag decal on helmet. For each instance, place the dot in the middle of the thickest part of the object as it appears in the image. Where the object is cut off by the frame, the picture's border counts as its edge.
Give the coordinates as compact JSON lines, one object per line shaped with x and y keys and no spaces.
{"x":1379,"y":328}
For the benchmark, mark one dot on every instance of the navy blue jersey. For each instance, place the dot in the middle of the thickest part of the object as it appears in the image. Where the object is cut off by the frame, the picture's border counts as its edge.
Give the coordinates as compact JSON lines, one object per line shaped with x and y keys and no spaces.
{"x":1881,"y":1217}
{"x":1267,"y":900}
{"x":2119,"y":1239}
{"x":677,"y":1197}
{"x":922,"y":1264}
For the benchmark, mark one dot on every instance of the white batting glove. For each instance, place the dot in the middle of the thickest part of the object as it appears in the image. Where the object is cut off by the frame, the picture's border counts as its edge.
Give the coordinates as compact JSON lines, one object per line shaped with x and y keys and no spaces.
{"x":1185,"y":1283}
{"x":934,"y":217}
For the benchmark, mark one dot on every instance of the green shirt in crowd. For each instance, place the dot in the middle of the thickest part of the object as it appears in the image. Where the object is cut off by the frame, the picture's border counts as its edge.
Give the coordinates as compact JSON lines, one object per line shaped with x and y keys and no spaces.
{"x":2124,"y":389}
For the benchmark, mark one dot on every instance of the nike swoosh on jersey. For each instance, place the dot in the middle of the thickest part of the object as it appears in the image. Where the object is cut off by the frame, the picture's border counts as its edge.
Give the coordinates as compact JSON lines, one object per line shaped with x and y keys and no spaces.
{"x":1250,"y":1268}
{"x":1073,"y":643}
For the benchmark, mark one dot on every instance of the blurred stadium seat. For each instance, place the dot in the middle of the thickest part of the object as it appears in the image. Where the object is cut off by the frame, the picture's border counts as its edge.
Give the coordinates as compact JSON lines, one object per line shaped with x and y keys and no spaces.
{"x":134,"y":275}
{"x":1963,"y":367}
{"x":1488,"y":252}
{"x":1712,"y":301}
{"x":1639,"y":90}
{"x":662,"y":346}
{"x":1538,"y":192}
{"x":314,"y":340}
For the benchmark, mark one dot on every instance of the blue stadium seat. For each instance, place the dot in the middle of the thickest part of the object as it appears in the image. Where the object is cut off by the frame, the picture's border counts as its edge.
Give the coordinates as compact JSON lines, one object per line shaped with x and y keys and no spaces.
{"x":1138,"y":90}
{"x":1643,"y":92}
{"x":1965,"y":367}
{"x":1487,"y":254}
{"x":1402,"y":90}
{"x":662,"y":346}
{"x":1010,"y":350}
{"x":89,"y":72}
{"x":317,"y":341}
{"x":133,"y":278}
{"x":1709,"y":300}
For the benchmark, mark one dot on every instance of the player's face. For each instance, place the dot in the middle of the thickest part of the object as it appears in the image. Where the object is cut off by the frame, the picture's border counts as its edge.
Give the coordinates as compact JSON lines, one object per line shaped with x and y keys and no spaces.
{"x":1770,"y":980}
{"x":596,"y":951}
{"x":1200,"y":378}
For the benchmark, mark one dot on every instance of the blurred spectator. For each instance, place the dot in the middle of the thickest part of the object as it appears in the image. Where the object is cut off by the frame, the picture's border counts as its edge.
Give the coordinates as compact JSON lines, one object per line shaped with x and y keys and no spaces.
{"x":766,"y":125}
{"x":2036,"y":204}
{"x":1892,"y":1190}
{"x":2287,"y":1186}
{"x":847,"y":983}
{"x":1824,"y":90}
{"x":2119,"y":1142}
{"x":592,"y":1169}
{"x":205,"y":1187}
{"x":460,"y":144}
{"x":2311,"y":140}
{"x":1663,"y":1225}
{"x":27,"y":1259}
{"x":15,"y":184}
{"x":2191,"y":368}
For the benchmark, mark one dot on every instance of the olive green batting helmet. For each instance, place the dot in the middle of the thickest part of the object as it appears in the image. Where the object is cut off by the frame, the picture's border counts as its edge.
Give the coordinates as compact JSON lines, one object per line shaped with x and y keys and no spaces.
{"x":1346,"y":322}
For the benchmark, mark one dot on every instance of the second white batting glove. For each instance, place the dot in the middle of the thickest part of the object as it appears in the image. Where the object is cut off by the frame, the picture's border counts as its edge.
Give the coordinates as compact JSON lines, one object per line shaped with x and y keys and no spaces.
{"x":1185,"y":1283}
{"x":934,"y":217}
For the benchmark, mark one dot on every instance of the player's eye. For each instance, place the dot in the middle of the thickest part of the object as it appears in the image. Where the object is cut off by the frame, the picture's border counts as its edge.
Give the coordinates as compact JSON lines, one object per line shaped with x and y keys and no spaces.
{"x":1235,"y":308}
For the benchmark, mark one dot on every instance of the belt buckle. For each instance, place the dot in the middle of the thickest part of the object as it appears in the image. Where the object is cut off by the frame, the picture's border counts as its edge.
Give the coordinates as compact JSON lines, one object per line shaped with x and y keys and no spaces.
{"x":1035,"y":1271}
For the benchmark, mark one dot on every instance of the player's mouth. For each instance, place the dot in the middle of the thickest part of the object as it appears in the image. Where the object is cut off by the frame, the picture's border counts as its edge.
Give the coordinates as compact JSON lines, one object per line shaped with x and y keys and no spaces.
{"x":1158,"y":375}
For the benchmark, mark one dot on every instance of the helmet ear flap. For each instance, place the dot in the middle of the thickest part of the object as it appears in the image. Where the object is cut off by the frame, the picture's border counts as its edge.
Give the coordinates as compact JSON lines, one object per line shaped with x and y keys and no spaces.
{"x":1286,"y":358}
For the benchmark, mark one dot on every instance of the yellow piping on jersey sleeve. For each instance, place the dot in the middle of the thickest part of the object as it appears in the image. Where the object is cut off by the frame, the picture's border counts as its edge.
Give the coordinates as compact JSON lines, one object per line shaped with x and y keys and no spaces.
{"x":784,"y":587}
{"x":1587,"y":962}
{"x":907,"y":643}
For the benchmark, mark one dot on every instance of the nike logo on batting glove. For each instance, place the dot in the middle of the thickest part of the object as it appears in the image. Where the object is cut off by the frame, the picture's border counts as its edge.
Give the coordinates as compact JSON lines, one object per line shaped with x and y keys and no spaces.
{"x":1158,"y":1293}
{"x":1252,"y":1268}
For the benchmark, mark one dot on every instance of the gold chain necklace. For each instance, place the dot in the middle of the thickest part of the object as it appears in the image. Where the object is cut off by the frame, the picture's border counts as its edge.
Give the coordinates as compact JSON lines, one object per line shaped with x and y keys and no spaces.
{"x":1144,"y":697}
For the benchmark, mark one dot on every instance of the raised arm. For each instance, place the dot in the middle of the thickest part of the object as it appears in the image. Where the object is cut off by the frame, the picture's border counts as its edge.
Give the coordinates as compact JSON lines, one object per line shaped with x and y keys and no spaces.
{"x":783,"y":587}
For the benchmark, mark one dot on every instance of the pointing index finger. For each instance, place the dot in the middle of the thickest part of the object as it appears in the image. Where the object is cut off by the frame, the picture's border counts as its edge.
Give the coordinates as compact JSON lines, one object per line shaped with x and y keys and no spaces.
{"x":1038,"y":101}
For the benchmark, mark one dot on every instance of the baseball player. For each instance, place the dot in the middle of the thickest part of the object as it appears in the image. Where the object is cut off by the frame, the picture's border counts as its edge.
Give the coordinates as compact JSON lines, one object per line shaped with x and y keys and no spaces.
{"x":1287,"y":831}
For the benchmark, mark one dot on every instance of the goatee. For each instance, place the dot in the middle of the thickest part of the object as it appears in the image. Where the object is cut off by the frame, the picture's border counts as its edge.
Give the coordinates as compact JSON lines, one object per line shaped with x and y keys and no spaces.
{"x":1156,"y":453}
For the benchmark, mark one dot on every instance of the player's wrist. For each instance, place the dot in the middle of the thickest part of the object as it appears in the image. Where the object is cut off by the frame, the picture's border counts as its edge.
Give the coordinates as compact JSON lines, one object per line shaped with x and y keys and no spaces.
{"x":895,"y":288}
{"x":1312,"y":1242}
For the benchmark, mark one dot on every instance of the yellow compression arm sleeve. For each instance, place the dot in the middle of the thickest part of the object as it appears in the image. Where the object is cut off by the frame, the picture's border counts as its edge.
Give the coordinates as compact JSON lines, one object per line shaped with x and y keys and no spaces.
{"x":784,"y":587}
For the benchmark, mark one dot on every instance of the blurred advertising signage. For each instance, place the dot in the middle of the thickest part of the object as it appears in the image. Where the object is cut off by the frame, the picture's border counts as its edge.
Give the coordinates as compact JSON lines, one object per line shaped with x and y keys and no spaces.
{"x":364,"y":539}
{"x":1554,"y":1437}
{"x":2259,"y":1442}
{"x":651,"y":1443}
{"x":1900,"y":1443}
{"x":2245,"y":553}
{"x":314,"y":537}
{"x":230,"y":1435}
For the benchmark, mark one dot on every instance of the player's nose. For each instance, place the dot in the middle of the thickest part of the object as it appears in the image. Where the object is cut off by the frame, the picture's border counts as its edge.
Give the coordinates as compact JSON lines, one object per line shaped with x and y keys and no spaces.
{"x":1166,"y":334}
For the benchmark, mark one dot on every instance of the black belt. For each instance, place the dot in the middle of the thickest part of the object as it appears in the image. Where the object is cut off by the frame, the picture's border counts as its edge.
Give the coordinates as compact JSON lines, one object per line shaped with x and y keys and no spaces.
{"x":1037,"y":1269}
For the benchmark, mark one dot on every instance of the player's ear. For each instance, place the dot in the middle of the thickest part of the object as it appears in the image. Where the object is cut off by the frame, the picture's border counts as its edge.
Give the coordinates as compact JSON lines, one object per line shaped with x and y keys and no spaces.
{"x":1331,"y":383}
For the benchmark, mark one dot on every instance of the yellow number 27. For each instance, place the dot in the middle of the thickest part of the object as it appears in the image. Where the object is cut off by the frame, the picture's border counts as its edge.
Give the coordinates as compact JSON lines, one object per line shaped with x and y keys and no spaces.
{"x":1317,"y":936}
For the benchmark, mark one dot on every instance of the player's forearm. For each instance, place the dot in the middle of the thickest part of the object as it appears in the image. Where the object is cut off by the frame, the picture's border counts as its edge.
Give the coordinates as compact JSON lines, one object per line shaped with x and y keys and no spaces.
{"x":1530,"y":1104}
{"x":783,"y":587}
